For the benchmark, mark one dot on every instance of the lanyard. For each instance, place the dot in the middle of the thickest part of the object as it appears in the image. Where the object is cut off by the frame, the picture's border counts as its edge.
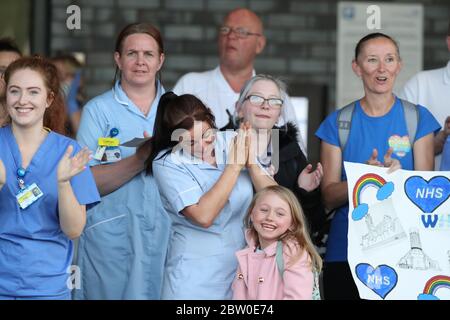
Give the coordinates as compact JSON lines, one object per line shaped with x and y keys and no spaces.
{"x":21,"y":172}
{"x":266,"y":160}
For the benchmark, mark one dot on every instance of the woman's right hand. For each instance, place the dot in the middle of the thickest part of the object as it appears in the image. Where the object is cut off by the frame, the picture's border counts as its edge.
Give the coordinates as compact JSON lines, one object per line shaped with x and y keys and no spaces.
{"x":238,"y":155}
{"x":373,"y":161}
{"x":2,"y":174}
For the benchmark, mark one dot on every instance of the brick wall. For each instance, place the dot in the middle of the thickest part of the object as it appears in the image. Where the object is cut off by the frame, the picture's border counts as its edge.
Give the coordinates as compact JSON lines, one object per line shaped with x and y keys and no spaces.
{"x":301,"y":35}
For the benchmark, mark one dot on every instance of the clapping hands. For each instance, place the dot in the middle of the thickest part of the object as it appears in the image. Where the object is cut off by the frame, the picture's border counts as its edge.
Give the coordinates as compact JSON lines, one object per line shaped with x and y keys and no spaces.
{"x":309,"y":180}
{"x":69,"y":167}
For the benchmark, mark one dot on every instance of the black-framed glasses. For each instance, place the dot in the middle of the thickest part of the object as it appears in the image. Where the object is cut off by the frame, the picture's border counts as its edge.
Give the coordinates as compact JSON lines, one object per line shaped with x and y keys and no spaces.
{"x":256,"y":100}
{"x":241,"y":33}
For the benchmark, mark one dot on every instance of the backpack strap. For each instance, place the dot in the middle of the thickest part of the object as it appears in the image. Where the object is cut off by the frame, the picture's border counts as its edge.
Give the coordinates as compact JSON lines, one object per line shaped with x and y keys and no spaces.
{"x":279,"y":258}
{"x":344,"y":122}
{"x":280,"y":264}
{"x":412,"y":119}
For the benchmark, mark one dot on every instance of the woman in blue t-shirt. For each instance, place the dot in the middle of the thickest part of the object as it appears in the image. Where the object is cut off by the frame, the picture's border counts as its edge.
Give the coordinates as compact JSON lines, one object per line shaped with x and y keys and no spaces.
{"x":378,"y":136}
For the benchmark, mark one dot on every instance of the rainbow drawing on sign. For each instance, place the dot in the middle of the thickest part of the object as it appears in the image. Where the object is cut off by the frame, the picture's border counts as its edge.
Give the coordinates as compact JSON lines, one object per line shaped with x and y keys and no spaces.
{"x":433,"y":285}
{"x":385,"y":189}
{"x":366,"y":181}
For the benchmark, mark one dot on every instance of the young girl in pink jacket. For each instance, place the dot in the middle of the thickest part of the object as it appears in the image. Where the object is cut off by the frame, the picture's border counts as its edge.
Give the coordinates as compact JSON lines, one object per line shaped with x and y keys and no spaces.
{"x":276,"y":222}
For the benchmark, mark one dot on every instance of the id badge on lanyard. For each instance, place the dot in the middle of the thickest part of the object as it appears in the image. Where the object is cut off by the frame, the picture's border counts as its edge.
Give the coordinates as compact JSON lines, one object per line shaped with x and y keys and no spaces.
{"x":27,"y":195}
{"x":108,"y":148}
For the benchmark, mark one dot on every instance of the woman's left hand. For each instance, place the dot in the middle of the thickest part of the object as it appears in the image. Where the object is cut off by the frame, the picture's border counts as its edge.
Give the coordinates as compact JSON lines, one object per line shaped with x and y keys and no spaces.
{"x":392,"y":163}
{"x":69,"y":167}
{"x":310,"y":180}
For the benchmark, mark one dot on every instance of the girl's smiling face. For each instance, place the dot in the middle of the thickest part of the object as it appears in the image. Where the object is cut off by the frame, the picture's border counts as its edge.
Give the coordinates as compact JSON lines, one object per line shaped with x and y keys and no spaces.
{"x":271,"y":217}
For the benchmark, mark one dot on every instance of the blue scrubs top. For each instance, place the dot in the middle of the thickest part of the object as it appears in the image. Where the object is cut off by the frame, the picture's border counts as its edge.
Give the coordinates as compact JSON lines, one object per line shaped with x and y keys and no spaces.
{"x":123,"y":247}
{"x":201,"y":262}
{"x":35,"y":254}
{"x":367,"y":133}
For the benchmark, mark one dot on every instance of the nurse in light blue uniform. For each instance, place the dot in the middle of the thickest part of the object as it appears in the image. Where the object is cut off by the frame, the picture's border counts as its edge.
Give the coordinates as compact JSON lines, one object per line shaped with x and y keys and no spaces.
{"x":35,"y":237}
{"x":205,"y":196}
{"x":122,"y":250}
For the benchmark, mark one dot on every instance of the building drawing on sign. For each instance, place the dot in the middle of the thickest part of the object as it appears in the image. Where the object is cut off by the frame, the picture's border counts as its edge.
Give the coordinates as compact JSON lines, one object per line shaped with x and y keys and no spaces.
{"x":385,"y":231}
{"x":416,"y":258}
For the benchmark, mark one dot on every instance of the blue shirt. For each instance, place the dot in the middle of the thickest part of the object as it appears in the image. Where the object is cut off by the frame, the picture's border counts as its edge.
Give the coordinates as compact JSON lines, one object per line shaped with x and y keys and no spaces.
{"x":201,"y":262}
{"x":35,"y":254}
{"x":368,"y":133}
{"x":445,"y":162}
{"x":123,"y":247}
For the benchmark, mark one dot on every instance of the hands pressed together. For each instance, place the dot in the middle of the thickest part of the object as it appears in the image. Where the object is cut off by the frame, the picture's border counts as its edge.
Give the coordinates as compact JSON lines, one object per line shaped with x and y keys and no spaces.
{"x":240,"y":147}
{"x":243,"y":153}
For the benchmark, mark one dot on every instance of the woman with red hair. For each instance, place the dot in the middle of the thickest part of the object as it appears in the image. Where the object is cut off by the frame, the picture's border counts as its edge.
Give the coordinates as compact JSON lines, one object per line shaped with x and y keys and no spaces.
{"x":44,"y":186}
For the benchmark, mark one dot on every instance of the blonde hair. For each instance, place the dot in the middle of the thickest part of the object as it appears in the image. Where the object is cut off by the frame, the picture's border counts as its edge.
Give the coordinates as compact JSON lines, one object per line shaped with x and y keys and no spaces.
{"x":299,"y":232}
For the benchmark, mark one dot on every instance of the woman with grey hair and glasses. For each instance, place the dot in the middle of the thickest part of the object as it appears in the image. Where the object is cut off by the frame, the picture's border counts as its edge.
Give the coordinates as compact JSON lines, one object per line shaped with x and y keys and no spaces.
{"x":262,"y":103}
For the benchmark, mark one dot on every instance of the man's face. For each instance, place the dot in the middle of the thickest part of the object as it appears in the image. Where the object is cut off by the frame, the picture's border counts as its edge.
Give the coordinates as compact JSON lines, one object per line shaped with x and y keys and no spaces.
{"x":236,"y":51}
{"x":6,"y":58}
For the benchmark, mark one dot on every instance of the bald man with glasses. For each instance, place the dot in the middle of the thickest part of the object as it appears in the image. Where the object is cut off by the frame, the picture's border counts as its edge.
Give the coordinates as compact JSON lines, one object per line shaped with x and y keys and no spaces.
{"x":240,"y":39}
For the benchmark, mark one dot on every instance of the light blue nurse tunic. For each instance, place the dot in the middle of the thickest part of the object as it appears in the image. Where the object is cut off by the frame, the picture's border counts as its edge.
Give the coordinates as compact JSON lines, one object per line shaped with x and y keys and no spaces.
{"x":35,"y":254}
{"x":122,"y":250}
{"x":201,"y":262}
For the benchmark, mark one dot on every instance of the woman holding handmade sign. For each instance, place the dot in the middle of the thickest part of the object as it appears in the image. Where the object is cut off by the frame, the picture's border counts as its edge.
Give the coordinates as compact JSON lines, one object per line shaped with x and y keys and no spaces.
{"x":379,"y":129}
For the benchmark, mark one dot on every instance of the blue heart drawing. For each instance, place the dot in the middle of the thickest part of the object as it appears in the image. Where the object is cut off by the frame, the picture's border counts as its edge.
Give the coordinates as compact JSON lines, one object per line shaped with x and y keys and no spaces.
{"x":427,"y":195}
{"x":380,"y":280}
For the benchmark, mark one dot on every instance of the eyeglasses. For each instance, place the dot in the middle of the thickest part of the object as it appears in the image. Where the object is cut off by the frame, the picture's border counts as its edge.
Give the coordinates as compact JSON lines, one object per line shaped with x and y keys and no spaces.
{"x":241,"y":33}
{"x":258,"y":101}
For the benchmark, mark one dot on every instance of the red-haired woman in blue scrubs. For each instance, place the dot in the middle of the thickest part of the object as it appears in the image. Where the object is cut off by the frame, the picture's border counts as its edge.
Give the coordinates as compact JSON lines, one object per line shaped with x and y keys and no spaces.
{"x":44,"y":186}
